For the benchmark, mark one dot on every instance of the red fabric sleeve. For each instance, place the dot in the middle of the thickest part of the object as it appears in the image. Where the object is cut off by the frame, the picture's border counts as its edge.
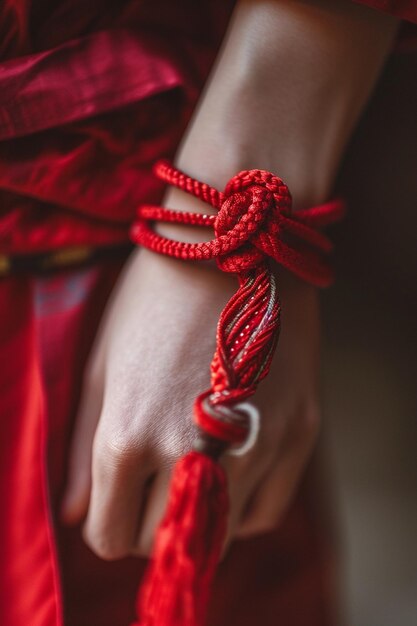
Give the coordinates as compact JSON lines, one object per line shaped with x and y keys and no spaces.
{"x":405,"y":10}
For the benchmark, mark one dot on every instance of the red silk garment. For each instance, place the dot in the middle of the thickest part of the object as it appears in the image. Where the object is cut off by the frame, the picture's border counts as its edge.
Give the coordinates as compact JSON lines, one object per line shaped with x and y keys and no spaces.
{"x":91,"y":94}
{"x":405,"y":10}
{"x":86,"y":106}
{"x":282,"y":576}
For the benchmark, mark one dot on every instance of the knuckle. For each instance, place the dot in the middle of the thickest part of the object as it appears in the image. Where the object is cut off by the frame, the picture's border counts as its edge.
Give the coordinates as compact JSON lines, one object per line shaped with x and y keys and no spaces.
{"x":172,"y":443}
{"x":119,"y":447}
{"x":116,"y":449}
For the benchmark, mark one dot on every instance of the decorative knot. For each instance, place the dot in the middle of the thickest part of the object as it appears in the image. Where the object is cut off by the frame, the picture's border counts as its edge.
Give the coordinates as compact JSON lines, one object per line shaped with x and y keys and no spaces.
{"x":254,"y":221}
{"x":249,"y":219}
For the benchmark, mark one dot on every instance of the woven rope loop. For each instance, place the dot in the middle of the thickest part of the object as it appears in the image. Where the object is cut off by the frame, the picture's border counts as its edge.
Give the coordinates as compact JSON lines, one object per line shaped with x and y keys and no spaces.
{"x":249,"y":217}
{"x":254,"y":222}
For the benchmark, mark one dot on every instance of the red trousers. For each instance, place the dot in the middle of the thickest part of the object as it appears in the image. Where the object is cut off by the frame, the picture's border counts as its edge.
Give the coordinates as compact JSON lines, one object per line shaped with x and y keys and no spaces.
{"x":48,"y":576}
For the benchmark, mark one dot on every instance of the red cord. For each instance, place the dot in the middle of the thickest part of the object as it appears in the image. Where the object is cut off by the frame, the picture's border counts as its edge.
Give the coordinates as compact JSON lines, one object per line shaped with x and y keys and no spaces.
{"x":254,"y":222}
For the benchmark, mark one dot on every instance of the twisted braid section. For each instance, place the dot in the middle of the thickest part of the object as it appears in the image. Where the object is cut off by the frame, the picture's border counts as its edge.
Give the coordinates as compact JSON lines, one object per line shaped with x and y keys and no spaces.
{"x":254,"y":223}
{"x":247,"y":334}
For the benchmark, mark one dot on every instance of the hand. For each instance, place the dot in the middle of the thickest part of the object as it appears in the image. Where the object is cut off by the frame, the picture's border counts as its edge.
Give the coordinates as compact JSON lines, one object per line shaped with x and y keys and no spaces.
{"x":153,"y":351}
{"x":151,"y":358}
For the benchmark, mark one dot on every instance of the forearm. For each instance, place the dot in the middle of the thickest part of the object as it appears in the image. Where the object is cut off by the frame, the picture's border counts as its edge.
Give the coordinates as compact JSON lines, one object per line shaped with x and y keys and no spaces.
{"x":287,"y":89}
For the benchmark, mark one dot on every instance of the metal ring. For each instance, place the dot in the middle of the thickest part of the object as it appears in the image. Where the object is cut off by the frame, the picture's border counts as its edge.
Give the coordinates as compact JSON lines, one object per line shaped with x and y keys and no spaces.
{"x":254,"y":426}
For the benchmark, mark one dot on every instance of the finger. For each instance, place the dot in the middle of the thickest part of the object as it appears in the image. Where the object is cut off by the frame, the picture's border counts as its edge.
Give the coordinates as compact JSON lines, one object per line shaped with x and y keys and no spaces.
{"x":271,"y":498}
{"x":119,"y":476}
{"x":243,"y":474}
{"x":76,"y":497}
{"x":241,"y":479}
{"x":154,"y":509}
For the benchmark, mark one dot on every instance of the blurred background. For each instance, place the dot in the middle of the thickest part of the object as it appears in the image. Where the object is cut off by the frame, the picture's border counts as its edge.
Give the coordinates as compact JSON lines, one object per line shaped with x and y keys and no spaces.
{"x":370,"y":358}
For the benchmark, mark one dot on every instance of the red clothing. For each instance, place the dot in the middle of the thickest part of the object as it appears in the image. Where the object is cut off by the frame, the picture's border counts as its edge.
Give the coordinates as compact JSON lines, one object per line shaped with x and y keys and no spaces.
{"x":90,"y":95}
{"x":74,"y":147}
{"x":46,"y":570}
{"x":94,"y":93}
{"x":404,"y":9}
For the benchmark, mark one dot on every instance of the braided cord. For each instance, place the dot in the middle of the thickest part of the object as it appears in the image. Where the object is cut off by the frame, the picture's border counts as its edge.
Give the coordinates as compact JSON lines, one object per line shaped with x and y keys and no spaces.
{"x":254,"y":222}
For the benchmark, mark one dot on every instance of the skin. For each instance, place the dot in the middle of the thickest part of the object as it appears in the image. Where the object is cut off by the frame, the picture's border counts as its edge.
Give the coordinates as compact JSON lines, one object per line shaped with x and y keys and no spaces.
{"x":286,"y":91}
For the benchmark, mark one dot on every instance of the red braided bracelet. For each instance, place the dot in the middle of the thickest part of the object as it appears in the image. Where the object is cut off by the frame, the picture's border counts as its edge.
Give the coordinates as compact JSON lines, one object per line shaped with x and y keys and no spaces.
{"x":254,"y":222}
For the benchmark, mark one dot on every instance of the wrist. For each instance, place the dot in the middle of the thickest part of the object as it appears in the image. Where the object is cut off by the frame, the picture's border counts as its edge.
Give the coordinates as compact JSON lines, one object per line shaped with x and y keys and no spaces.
{"x":232,"y":134}
{"x":309,"y":182}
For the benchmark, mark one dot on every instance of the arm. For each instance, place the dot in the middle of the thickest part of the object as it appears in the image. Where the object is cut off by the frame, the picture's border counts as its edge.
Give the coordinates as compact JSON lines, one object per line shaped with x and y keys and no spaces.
{"x":286,"y":91}
{"x":288,"y":87}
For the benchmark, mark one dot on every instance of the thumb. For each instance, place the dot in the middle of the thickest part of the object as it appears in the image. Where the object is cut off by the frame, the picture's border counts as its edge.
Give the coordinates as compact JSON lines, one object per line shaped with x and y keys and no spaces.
{"x":76,"y":496}
{"x":271,"y":499}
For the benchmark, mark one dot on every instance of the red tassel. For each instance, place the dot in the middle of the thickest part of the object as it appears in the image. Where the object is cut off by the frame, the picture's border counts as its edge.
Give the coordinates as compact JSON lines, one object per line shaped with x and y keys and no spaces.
{"x":187,"y":546}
